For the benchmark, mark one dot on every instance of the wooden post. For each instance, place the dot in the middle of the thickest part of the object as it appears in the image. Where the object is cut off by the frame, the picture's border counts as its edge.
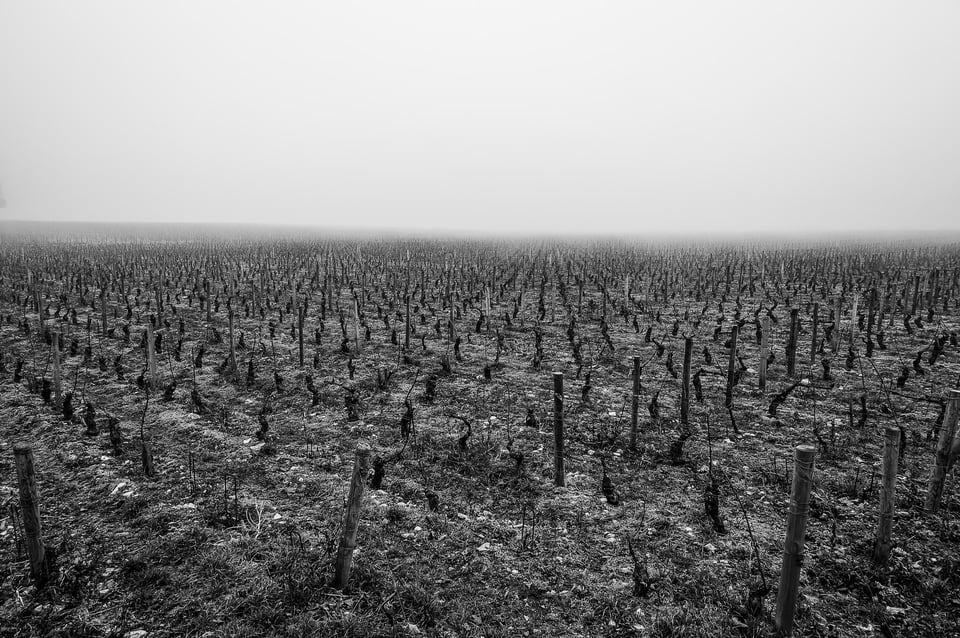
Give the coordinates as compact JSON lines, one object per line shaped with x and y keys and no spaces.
{"x":814,"y":330}
{"x":872,"y":305}
{"x":580,"y":282}
{"x":731,"y":367}
{"x":905,"y":302}
{"x":934,"y":293}
{"x":558,"y":475}
{"x":553,"y":302}
{"x":891,"y":453}
{"x":151,"y":358}
{"x":793,"y":547}
{"x":209,"y":301}
{"x":423,"y":285}
{"x":948,"y":446}
{"x":55,"y":352}
{"x":685,"y":387}
{"x":764,"y":351}
{"x":103,"y":309}
{"x":635,"y":404}
{"x":835,"y":337}
{"x":329,"y":281}
{"x":792,"y":342}
{"x":36,"y":294}
{"x":853,"y":320}
{"x":356,"y":325}
{"x":351,"y":519}
{"x":301,"y":312}
{"x":30,"y":508}
{"x":452,"y":328}
{"x":916,"y":294}
{"x":146,"y":458}
{"x":487,"y":308}
{"x":32,"y":288}
{"x":233,"y":347}
{"x":406,"y":339}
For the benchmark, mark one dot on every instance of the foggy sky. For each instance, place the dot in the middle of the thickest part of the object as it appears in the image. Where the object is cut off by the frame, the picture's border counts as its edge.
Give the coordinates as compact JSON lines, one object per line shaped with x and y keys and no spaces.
{"x":575,"y":117}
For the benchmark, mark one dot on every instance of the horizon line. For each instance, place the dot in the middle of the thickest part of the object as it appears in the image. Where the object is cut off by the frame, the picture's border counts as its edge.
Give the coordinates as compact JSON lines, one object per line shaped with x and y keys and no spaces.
{"x":281,"y":227}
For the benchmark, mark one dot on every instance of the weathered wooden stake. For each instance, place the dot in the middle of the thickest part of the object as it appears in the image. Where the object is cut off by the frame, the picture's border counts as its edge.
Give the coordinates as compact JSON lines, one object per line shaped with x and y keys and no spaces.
{"x":792,"y":342}
{"x":356,"y":325}
{"x":814,"y":330}
{"x":146,"y":458}
{"x":731,"y":367}
{"x":793,"y":547}
{"x":635,"y":404}
{"x":452,"y":328}
{"x":151,"y":359}
{"x":764,"y":351}
{"x":891,"y":454}
{"x":872,"y":303}
{"x":905,"y":302}
{"x":916,"y":294}
{"x":351,"y":519}
{"x":30,"y":508}
{"x":487,"y":308}
{"x":558,"y":475}
{"x":553,"y":302}
{"x":233,"y":347}
{"x":30,"y":284}
{"x":853,"y":320}
{"x":209,"y":301}
{"x":685,"y":387}
{"x":835,"y":336}
{"x":948,"y":447}
{"x":406,"y":339}
{"x":103,"y":309}
{"x":55,"y":352}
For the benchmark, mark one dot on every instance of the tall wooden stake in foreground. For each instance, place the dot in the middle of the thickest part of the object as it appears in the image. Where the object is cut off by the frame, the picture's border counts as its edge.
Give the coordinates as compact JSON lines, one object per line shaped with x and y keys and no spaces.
{"x":853,"y":320}
{"x":151,"y":359}
{"x":27,"y":480}
{"x":793,"y":548}
{"x":55,"y":355}
{"x":685,"y":387}
{"x":558,"y":475}
{"x":891,"y":453}
{"x":764,"y":351}
{"x":103,"y":309}
{"x":356,"y":326}
{"x":406,"y":337}
{"x":233,"y":347}
{"x":351,"y":520}
{"x":814,"y":331}
{"x":835,"y":335}
{"x":635,"y":404}
{"x":948,"y":448}
{"x":792,"y":342}
{"x":731,"y":367}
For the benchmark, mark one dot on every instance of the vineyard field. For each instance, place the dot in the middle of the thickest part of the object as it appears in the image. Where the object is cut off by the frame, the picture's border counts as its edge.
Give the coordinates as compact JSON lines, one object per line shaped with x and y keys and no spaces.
{"x":194,"y":406}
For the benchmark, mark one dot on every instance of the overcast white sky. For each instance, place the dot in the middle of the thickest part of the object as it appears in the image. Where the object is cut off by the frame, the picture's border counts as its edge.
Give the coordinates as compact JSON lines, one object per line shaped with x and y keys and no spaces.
{"x":579,"y":117}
